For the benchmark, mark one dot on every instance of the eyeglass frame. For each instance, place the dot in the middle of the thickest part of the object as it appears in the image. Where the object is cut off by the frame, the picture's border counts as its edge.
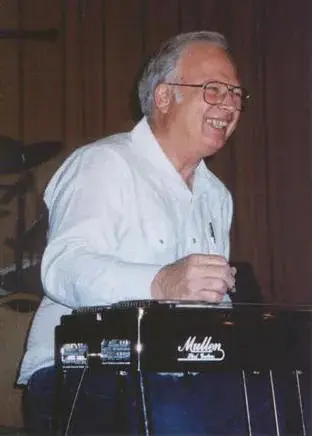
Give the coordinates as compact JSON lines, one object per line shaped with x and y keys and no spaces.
{"x":244,"y":97}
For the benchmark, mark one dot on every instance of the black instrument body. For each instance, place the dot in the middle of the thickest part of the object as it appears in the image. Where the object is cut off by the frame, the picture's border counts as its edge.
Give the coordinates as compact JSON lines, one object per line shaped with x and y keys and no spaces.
{"x":257,"y":343}
{"x":177,"y":336}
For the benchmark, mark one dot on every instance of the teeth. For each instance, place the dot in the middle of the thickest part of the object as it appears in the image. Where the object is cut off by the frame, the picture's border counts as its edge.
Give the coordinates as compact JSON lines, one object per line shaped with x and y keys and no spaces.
{"x":218,"y":124}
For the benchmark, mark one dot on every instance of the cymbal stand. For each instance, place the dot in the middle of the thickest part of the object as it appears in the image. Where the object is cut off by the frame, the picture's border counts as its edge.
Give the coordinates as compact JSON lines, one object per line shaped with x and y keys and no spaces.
{"x":20,"y":229}
{"x":19,"y":189}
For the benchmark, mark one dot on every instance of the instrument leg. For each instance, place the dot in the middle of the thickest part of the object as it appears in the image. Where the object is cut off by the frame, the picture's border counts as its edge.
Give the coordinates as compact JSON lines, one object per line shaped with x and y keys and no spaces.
{"x":246,"y":402}
{"x":298,"y":374}
{"x":142,"y":404}
{"x":272,"y":384}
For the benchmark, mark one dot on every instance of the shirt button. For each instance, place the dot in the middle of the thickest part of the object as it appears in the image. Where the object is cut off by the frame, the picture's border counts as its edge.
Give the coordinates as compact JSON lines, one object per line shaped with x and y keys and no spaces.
{"x":161,"y":241}
{"x":194,"y":240}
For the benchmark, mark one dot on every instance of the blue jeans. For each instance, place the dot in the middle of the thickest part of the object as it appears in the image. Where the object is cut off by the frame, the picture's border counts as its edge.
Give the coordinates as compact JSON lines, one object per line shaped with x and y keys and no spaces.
{"x":202,"y":404}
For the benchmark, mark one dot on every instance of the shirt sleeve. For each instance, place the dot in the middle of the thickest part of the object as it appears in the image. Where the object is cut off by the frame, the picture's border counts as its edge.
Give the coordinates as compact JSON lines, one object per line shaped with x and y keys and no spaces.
{"x":92,"y":191}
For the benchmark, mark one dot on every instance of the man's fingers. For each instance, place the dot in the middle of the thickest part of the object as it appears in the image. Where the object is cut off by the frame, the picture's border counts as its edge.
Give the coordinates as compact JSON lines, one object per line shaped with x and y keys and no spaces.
{"x":210,"y":296}
{"x":215,"y":272}
{"x":215,"y":284}
{"x":194,"y":277}
{"x":206,"y":259}
{"x":234,"y":270}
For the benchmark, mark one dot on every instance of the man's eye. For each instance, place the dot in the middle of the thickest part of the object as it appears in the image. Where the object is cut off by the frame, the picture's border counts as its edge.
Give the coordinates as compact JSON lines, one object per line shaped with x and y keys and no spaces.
{"x":213,"y":90}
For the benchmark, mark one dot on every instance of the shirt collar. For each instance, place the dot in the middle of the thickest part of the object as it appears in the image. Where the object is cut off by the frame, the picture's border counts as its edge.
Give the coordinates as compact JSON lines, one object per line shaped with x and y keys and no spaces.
{"x":146,"y":145}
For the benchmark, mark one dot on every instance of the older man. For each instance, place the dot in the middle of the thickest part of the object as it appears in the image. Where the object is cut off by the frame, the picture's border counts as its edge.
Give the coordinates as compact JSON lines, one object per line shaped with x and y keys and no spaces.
{"x":139,"y":216}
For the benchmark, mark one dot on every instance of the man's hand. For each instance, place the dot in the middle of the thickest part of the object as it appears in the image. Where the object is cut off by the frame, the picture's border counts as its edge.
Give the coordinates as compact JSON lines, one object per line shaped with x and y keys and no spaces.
{"x":194,"y":277}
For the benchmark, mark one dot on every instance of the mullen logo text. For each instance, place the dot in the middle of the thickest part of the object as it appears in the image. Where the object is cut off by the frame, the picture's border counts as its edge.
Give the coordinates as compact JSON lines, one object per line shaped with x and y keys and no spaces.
{"x":200,"y":350}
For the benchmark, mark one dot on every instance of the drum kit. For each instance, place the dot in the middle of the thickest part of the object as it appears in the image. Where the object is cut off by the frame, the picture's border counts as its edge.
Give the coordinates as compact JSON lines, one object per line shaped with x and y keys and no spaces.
{"x":19,"y":159}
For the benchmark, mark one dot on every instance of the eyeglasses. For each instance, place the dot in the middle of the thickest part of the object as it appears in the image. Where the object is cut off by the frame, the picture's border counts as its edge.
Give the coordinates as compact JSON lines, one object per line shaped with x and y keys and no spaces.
{"x":214,"y":92}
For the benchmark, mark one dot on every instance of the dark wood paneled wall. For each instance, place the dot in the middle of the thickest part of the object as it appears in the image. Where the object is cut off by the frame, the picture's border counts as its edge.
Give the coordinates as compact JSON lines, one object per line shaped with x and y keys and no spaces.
{"x":81,"y":87}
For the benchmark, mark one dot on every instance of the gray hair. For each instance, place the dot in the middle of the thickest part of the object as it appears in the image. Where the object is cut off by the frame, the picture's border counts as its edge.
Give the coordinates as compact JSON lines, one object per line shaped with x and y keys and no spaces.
{"x":162,"y":66}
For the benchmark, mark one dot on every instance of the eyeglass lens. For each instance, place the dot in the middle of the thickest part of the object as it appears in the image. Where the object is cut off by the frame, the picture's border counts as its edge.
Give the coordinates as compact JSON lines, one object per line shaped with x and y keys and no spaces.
{"x":215,"y":92}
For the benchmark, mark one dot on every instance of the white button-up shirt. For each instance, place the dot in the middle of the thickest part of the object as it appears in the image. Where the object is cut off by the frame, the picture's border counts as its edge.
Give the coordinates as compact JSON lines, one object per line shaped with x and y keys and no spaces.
{"x":119,"y":211}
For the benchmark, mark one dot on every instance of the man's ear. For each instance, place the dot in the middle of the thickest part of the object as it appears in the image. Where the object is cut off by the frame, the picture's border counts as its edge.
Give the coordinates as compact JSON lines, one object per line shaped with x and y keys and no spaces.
{"x":163,"y":97}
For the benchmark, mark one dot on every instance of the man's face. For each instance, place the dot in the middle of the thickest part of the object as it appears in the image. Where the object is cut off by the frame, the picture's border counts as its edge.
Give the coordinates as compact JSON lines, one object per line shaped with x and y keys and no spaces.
{"x":203,"y":127}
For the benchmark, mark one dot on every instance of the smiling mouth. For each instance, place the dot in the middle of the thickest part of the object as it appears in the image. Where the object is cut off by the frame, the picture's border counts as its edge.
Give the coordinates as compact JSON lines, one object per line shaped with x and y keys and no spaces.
{"x":218,"y":124}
